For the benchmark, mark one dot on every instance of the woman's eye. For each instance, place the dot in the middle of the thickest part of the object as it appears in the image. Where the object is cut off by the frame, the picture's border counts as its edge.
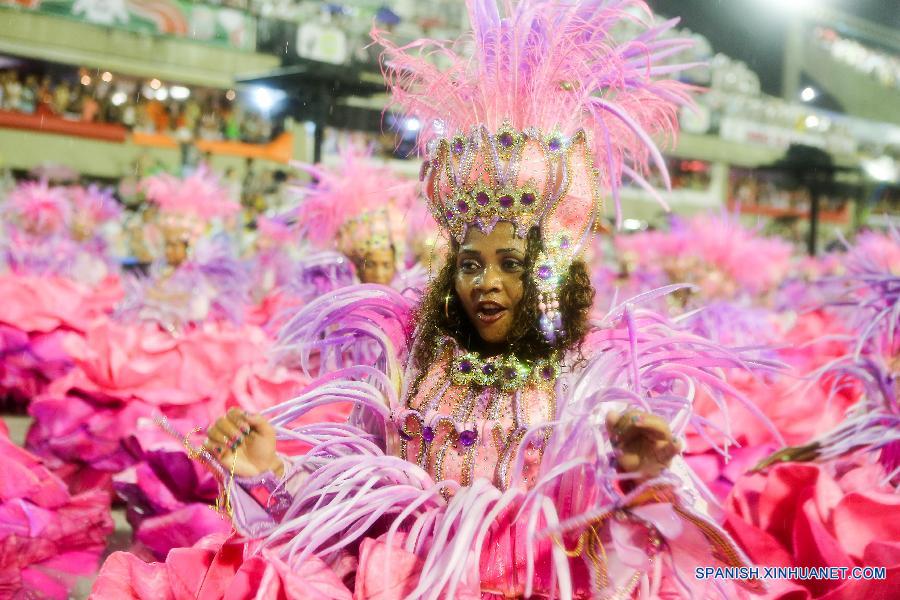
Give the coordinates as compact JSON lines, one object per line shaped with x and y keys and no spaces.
{"x":468,"y":266}
{"x":511,"y":264}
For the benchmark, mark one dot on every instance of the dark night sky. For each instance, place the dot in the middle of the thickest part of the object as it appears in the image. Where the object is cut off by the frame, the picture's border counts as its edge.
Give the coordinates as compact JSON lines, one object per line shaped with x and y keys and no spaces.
{"x":753,"y":31}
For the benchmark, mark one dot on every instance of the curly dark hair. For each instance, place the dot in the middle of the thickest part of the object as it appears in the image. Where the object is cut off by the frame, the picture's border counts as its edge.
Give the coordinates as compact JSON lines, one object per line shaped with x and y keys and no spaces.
{"x":576,"y":296}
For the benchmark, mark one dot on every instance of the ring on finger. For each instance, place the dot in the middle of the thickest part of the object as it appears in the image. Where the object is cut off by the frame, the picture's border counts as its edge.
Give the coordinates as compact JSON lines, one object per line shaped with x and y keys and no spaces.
{"x":235,"y":442}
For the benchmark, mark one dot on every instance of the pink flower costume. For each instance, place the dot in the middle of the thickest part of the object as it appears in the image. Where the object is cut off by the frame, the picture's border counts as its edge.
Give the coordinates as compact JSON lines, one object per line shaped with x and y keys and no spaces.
{"x":48,"y":536}
{"x":832,"y":500}
{"x":476,"y":477}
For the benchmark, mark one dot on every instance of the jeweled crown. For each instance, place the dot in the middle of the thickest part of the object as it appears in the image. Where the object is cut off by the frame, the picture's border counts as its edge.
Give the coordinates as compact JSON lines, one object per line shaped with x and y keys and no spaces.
{"x":528,"y":178}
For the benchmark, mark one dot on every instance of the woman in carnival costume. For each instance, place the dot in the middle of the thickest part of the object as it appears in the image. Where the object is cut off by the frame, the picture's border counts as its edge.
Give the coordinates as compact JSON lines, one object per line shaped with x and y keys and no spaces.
{"x":359,"y":210}
{"x":522,"y":452}
{"x":736,"y":273}
{"x":196,"y":276}
{"x":49,"y":535}
{"x":56,"y":277}
{"x":176,"y":346}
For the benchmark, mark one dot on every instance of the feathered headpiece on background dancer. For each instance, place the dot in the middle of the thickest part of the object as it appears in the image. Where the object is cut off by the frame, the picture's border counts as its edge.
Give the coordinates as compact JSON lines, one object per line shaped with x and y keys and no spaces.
{"x":92,"y":206}
{"x":359,"y":206}
{"x":534,"y":115}
{"x":715,"y":250}
{"x":38,"y":208}
{"x":186,"y":205}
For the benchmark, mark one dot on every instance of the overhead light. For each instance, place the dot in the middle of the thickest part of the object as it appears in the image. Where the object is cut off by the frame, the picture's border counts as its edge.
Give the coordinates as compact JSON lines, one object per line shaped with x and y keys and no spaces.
{"x":155,"y":83}
{"x":230,"y":95}
{"x":162,"y":94}
{"x":793,"y":6}
{"x":85,"y":80}
{"x":107,"y":76}
{"x":811,"y":122}
{"x":412,"y":124}
{"x":632,"y":224}
{"x":881,"y":169}
{"x":266,"y":98}
{"x":119,"y":98}
{"x":808,"y":94}
{"x":179,"y":92}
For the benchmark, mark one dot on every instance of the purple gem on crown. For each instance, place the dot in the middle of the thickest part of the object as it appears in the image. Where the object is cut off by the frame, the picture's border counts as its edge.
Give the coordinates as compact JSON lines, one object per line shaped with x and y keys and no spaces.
{"x":449,"y":214}
{"x":528,"y":199}
{"x":465,"y":366}
{"x":482,"y":198}
{"x":506,"y":139}
{"x":428,"y":434}
{"x":462,"y":206}
{"x":547,"y":373}
{"x":555,"y":144}
{"x":468,"y":437}
{"x":488,"y":369}
{"x":563,"y":242}
{"x":510,"y":373}
{"x":544,"y":272}
{"x":458,"y":146}
{"x":505,"y":201}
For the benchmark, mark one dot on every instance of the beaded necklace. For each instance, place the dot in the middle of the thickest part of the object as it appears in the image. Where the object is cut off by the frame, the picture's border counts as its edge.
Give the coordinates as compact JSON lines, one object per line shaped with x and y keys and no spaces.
{"x":506,"y":372}
{"x":493,"y":383}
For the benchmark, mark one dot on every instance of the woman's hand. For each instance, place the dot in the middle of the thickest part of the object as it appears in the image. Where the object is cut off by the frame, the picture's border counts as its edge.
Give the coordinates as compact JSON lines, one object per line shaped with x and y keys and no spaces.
{"x":245,"y":441}
{"x":643,"y":442}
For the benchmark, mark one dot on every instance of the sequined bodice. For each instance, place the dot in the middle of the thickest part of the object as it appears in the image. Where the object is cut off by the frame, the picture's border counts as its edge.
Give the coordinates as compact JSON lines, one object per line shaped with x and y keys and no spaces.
{"x":463,"y":431}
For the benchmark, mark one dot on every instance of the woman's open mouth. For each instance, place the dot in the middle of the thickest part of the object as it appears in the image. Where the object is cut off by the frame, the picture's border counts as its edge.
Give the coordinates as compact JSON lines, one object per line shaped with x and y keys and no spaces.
{"x":490,"y":312}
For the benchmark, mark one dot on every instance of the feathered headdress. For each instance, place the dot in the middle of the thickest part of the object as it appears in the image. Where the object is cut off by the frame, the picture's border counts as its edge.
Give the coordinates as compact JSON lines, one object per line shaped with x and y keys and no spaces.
{"x":536,"y":113}
{"x":38,"y":208}
{"x":93,"y":205}
{"x":357,"y":206}
{"x":715,"y":250}
{"x":186,"y":205}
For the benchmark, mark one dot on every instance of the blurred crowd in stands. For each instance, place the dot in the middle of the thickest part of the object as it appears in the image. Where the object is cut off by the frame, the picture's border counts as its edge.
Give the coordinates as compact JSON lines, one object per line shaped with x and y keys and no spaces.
{"x":146,"y":107}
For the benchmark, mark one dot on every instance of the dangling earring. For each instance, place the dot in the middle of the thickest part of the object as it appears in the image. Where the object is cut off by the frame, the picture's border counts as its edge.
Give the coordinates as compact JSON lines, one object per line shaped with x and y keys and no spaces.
{"x":447,"y":306}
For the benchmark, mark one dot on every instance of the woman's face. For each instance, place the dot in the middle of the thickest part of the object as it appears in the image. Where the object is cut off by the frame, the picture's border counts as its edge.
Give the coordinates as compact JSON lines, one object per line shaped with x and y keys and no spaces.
{"x":488,"y":282}
{"x":378,"y":267}
{"x":176,"y":251}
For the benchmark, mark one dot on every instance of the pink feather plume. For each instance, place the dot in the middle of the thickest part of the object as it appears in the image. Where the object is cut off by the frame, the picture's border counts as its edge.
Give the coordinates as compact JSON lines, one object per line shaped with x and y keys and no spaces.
{"x":39,"y":207}
{"x":552,"y":65}
{"x":358,"y":186}
{"x":199,"y":195}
